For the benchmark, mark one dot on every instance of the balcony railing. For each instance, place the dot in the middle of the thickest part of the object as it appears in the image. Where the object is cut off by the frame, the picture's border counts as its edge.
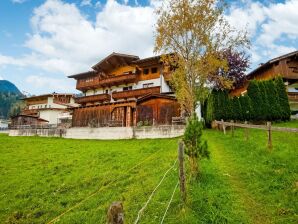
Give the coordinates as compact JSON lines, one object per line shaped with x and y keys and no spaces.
{"x":29,"y":112}
{"x":135,"y":93}
{"x":109,"y":81}
{"x":93,"y":98}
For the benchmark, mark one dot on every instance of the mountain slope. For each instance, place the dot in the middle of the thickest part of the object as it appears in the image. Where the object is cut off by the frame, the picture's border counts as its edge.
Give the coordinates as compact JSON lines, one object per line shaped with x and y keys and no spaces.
{"x":8,"y":87}
{"x":9,"y":99}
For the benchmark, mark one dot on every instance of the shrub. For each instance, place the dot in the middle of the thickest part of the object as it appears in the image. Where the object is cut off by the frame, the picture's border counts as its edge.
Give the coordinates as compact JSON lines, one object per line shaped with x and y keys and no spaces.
{"x":195,"y":147}
{"x":285,"y":111}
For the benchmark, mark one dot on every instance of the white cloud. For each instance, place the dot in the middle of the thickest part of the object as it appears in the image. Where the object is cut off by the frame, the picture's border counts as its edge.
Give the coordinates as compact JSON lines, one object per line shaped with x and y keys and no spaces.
{"x":86,"y":3}
{"x":268,"y":25}
{"x":97,"y":5}
{"x":6,"y":60}
{"x":18,"y":1}
{"x":55,"y":84}
{"x":281,"y":20}
{"x":1,"y":78}
{"x":64,"y":40}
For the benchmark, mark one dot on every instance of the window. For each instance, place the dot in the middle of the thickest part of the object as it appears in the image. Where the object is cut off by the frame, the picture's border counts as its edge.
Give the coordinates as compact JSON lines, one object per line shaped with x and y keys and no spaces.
{"x":147,"y":85}
{"x":127,"y":88}
{"x":89,"y":80}
{"x":107,"y":91}
{"x":154,"y":70}
{"x":146,"y":71}
{"x":45,"y":106}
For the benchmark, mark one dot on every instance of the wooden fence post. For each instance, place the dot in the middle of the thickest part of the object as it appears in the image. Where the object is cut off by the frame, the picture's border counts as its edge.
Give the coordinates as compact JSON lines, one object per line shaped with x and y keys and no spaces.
{"x":115,"y":213}
{"x":181,"y":171}
{"x":223,"y":126}
{"x":269,"y":135}
{"x":232,"y":127}
{"x":246,"y":132}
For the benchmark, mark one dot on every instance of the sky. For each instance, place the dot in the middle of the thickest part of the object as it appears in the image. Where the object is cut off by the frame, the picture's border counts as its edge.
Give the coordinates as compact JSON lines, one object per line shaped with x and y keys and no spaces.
{"x":44,"y":41}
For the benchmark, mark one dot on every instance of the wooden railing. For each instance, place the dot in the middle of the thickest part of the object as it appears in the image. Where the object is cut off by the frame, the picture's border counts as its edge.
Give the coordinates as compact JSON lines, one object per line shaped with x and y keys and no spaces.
{"x":116,"y":80}
{"x":135,"y":93}
{"x":93,"y":98}
{"x":29,"y":111}
{"x":109,"y":81}
{"x":268,"y":128}
{"x":254,"y":126}
{"x":293,"y":96}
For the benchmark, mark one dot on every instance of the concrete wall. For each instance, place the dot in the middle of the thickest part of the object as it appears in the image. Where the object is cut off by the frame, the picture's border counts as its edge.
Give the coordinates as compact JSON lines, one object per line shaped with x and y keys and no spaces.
{"x":38,"y":132}
{"x":165,"y":131}
{"x":100,"y":133}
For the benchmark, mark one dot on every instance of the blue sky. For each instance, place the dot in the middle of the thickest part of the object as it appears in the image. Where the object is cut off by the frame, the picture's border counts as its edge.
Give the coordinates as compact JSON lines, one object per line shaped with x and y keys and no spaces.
{"x":43,"y":41}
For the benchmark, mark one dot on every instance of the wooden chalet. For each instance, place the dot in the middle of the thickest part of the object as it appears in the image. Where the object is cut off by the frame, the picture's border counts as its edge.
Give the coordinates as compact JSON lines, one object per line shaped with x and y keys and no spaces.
{"x":285,"y":66}
{"x":124,"y":90}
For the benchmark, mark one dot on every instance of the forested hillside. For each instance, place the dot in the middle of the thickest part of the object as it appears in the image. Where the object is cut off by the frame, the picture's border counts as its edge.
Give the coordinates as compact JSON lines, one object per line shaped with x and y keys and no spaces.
{"x":10,"y":95}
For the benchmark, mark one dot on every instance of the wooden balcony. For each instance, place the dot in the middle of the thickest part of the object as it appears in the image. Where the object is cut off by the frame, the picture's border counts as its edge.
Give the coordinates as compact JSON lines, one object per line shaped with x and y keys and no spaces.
{"x":93,"y":98}
{"x":104,"y":82}
{"x":135,"y":93}
{"x":29,"y":112}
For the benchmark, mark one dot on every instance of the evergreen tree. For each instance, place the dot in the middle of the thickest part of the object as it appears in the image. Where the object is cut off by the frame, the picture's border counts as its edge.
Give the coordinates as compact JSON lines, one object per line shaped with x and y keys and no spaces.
{"x":265,"y":106}
{"x":283,"y":99}
{"x":210,"y":113}
{"x":255,"y":95}
{"x":272,"y":97}
{"x":246,"y":108}
{"x":195,"y":147}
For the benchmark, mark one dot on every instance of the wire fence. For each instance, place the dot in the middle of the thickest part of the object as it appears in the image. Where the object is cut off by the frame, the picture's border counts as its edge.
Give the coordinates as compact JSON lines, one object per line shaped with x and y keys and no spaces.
{"x":153,"y":192}
{"x":150,"y":157}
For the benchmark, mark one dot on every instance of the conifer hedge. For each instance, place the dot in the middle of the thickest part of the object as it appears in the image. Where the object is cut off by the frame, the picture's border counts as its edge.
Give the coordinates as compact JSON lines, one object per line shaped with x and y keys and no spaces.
{"x":264,"y":101}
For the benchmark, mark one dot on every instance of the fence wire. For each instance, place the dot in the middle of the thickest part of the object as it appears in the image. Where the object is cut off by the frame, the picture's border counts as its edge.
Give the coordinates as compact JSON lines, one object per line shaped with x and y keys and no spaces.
{"x":153,"y":192}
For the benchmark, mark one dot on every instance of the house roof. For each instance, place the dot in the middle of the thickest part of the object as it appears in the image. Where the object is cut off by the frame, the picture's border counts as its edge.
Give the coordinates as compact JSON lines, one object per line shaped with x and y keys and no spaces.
{"x":48,"y":95}
{"x":32,"y":116}
{"x":114,"y":60}
{"x":155,"y":95}
{"x":147,"y":60}
{"x":83,"y":75}
{"x":270,"y":62}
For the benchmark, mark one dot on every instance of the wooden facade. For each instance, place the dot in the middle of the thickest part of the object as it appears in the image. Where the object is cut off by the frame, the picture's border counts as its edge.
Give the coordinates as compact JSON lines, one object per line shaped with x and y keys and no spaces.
{"x":285,"y":66}
{"x":123,"y":90}
{"x":21,"y":120}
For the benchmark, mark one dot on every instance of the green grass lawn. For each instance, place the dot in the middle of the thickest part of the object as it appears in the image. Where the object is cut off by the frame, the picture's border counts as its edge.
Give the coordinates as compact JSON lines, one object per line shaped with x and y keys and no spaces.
{"x":243,"y":182}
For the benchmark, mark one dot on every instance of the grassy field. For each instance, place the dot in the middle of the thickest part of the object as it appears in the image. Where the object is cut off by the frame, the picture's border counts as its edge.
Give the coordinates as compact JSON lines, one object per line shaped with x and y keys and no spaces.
{"x":76,"y":180}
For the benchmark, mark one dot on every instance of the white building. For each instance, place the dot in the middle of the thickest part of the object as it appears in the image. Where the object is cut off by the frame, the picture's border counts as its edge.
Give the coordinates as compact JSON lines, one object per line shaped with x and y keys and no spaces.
{"x":51,"y":107}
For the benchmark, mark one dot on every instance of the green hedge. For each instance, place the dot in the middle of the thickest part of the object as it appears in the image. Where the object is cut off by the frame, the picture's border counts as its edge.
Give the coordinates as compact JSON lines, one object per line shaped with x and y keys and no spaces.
{"x":264,"y":101}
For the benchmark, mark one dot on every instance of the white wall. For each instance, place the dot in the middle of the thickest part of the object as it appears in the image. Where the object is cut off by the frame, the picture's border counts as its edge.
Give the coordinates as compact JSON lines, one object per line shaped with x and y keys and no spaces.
{"x":198,"y":111}
{"x":49,"y":104}
{"x":165,"y":88}
{"x":50,"y":115}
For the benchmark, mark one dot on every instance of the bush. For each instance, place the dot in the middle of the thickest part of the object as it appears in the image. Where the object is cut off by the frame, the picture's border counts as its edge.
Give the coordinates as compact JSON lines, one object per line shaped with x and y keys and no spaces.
{"x":265,"y":100}
{"x":195,"y":147}
{"x":285,"y":111}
